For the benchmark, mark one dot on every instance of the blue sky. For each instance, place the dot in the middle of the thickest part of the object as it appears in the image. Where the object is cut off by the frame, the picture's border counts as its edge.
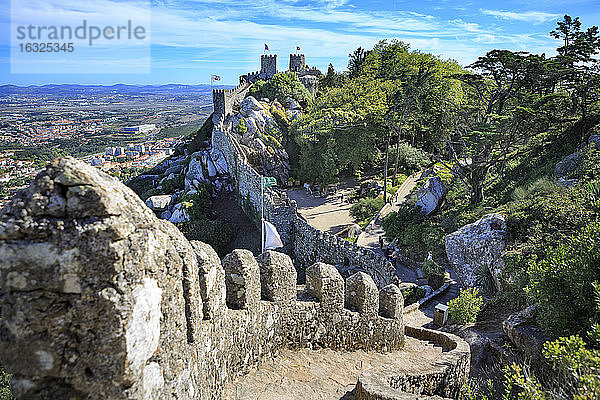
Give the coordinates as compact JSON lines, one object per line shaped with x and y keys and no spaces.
{"x":191,"y":39}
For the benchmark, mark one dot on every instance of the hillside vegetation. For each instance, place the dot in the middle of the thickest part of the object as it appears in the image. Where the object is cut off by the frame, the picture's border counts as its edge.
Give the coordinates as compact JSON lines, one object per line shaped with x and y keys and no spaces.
{"x":494,"y":132}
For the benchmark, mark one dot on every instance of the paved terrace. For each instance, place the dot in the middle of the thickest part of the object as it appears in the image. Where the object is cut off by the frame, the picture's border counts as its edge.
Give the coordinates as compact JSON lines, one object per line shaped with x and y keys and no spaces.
{"x":324,"y":374}
{"x":328,"y":214}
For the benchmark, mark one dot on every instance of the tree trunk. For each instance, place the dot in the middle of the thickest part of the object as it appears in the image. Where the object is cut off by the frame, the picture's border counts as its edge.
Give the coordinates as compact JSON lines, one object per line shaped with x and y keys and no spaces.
{"x":476,"y":180}
{"x":385,"y":172}
{"x":397,"y":150}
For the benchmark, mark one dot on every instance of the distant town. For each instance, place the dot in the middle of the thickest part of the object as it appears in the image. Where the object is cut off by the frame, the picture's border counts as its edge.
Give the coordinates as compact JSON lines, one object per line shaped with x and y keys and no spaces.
{"x":120,"y":129}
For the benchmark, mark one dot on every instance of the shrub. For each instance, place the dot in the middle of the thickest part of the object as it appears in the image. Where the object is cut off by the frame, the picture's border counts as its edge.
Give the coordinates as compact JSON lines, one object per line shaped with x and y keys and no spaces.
{"x":171,"y":185}
{"x":366,"y":208}
{"x":216,"y":233}
{"x":242,"y":129}
{"x":413,"y":294}
{"x":562,"y":282}
{"x":465,"y":308}
{"x":580,"y":365}
{"x":434,"y":273}
{"x":417,"y":235}
{"x":588,"y":169}
{"x":5,"y":393}
{"x":198,"y":204}
{"x":485,"y":279}
{"x":410,"y":159}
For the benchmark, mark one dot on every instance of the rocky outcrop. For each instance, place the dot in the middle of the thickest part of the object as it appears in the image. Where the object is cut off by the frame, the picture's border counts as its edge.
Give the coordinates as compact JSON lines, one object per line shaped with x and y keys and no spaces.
{"x":566,"y":167}
{"x":208,"y":166}
{"x":262,"y":139}
{"x":85,"y":271}
{"x":525,"y":333}
{"x":431,"y":195}
{"x":477,"y":245}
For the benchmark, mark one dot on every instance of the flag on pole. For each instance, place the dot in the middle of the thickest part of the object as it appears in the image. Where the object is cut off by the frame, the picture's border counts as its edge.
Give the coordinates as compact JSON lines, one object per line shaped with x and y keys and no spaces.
{"x":216,"y":77}
{"x":297,"y":48}
{"x":266,"y":47}
{"x":271,"y":238}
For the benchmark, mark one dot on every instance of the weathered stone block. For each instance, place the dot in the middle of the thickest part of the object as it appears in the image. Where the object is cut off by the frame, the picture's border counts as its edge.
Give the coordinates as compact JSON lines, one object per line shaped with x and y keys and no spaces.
{"x":212,"y":279}
{"x":362,"y":294}
{"x":242,"y":280}
{"x":391,"y":302}
{"x":324,"y":282}
{"x":277,"y":277}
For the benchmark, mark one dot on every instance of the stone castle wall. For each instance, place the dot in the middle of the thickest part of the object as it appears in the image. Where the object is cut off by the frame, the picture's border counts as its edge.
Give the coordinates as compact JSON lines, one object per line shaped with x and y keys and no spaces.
{"x":101,"y":299}
{"x":312,"y":245}
{"x":447,"y":377}
{"x":225,"y":99}
{"x":306,"y":244}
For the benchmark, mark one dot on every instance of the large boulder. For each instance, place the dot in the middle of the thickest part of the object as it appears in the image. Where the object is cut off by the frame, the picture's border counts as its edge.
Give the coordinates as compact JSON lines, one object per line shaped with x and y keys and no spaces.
{"x":568,"y":165}
{"x":431,"y":195}
{"x":248,"y":105}
{"x":525,"y":333}
{"x":99,"y":297}
{"x":195,"y":170}
{"x":477,"y":245}
{"x":159,"y":203}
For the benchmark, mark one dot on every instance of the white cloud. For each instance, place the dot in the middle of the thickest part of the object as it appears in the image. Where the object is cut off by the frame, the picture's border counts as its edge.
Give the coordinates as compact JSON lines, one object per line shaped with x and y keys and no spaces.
{"x":536,"y":17}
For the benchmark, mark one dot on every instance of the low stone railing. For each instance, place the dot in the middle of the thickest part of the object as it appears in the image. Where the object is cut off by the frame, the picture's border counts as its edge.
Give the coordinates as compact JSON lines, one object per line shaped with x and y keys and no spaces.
{"x":445,"y":378}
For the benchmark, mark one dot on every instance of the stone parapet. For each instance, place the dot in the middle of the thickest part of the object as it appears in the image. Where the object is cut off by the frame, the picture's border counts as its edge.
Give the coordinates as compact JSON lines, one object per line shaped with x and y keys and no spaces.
{"x":101,"y":299}
{"x":444,"y":379}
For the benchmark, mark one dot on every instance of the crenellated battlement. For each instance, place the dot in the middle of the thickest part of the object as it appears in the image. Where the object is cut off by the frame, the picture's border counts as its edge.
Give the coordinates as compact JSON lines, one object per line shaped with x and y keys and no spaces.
{"x":297,"y":62}
{"x":268,"y":65}
{"x":139,"y":312}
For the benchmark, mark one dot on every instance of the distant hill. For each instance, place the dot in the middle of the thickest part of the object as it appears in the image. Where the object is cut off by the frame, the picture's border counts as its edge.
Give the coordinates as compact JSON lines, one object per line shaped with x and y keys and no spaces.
{"x":74,"y":90}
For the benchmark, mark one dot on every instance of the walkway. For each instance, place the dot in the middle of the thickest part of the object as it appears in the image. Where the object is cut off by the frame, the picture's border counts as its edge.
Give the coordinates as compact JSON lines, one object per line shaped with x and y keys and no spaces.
{"x":328,"y":214}
{"x":370,"y":238}
{"x":324,"y":374}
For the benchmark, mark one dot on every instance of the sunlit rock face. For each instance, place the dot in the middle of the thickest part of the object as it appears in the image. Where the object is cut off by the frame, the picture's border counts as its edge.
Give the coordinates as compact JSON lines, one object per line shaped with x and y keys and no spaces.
{"x":477,"y":245}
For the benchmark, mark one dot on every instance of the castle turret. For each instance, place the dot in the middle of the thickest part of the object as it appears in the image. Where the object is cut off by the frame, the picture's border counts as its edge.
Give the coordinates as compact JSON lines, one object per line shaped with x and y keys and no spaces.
{"x":297,"y":62}
{"x":268,"y":65}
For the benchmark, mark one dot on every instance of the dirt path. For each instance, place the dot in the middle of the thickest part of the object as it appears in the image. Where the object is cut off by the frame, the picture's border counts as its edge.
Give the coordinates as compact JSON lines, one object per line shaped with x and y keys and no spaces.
{"x":371,"y":236}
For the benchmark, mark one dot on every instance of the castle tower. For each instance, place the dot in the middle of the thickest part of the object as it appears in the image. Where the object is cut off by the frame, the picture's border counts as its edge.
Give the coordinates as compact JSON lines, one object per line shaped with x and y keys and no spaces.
{"x":297,"y":62}
{"x":268,"y":65}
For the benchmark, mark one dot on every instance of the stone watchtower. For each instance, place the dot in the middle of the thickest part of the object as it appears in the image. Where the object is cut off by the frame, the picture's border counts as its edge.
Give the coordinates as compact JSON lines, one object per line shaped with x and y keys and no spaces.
{"x":297,"y":62}
{"x":268,"y":65}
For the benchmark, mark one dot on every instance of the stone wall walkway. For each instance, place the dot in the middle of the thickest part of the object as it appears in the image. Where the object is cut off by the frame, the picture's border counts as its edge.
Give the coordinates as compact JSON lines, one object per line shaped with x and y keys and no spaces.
{"x":324,"y":374}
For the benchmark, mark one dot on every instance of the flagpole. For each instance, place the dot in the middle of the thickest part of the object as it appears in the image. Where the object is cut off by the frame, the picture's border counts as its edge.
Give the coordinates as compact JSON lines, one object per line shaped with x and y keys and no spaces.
{"x":262,"y":224}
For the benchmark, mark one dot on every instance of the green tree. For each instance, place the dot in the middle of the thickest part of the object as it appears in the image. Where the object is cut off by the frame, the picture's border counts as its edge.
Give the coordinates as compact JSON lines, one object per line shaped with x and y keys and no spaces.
{"x":356,"y":60}
{"x":281,"y":86}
